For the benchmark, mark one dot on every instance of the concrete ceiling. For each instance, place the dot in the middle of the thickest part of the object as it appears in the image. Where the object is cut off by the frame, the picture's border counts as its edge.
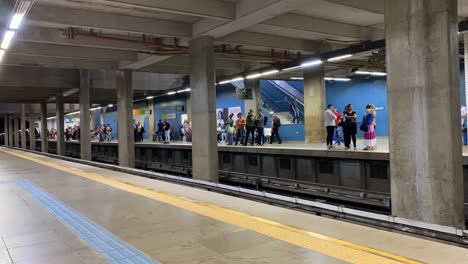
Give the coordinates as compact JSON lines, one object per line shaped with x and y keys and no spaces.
{"x":152,"y":35}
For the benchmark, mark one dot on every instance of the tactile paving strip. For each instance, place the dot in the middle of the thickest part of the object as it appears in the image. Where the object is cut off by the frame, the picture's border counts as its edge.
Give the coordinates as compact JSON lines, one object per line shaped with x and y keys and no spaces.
{"x":104,"y":242}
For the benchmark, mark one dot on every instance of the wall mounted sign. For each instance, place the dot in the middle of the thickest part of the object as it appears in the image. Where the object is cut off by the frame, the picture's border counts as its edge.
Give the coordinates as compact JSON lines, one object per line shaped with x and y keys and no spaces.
{"x":169,"y":116}
{"x":138,"y":112}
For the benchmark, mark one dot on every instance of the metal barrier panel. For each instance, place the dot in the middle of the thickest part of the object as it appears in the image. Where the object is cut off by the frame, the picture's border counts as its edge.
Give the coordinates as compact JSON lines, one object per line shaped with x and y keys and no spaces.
{"x":306,"y":170}
{"x":378,"y":176}
{"x":253,"y":164}
{"x":352,"y":174}
{"x":269,"y":166}
{"x":239,"y":163}
{"x":328,"y":172}
{"x":286,"y":167}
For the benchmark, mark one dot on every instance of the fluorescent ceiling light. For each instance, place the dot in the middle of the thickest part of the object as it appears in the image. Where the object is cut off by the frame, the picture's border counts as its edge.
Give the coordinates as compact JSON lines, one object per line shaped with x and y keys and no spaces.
{"x":150,"y":97}
{"x":225,"y":82}
{"x":171,"y":93}
{"x":297,"y":78}
{"x":337,"y":79}
{"x":342,"y":57}
{"x":185,"y":90}
{"x":110,"y":105}
{"x":237,"y":79}
{"x":311,"y":63}
{"x":292,"y":68}
{"x":254,"y":76}
{"x":22,"y":7}
{"x":50,"y":118}
{"x":16,"y":21}
{"x":362,"y":72}
{"x":7,"y":38}
{"x":378,"y":73}
{"x":270,"y":72}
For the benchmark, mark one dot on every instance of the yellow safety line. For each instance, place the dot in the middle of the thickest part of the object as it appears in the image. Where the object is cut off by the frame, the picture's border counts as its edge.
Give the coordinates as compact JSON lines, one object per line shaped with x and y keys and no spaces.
{"x":332,"y":247}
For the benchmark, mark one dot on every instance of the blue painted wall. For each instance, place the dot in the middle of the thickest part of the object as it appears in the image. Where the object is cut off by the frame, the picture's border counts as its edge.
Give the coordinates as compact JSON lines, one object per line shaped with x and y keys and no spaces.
{"x":226,"y":97}
{"x":168,"y":105}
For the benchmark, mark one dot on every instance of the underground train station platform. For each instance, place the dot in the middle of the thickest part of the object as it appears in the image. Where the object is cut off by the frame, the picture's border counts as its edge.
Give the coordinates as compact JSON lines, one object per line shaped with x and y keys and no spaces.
{"x":57,"y":211}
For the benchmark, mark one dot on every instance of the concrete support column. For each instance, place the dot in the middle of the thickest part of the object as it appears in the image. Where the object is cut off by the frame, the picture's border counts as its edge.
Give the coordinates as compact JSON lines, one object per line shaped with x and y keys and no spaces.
{"x":5,"y":125}
{"x":204,"y":140}
{"x":424,"y":111}
{"x":465,"y":41}
{"x":151,"y":119}
{"x":16,"y":132}
{"x":85,"y":135}
{"x":314,"y":104}
{"x":24,"y":139}
{"x":11,"y":133}
{"x":44,"y":136}
{"x":32,"y":128}
{"x":60,"y":126}
{"x":254,"y":85}
{"x":125,"y":118}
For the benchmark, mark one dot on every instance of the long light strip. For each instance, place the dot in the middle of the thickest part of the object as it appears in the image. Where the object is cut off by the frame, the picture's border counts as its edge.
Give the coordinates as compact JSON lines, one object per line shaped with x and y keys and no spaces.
{"x":292,"y":68}
{"x":7,"y":38}
{"x":337,"y":79}
{"x":311,"y":63}
{"x":185,"y":90}
{"x":342,"y":57}
{"x":150,"y":97}
{"x":171,"y":93}
{"x":297,"y":78}
{"x":270,"y":72}
{"x":254,"y":76}
{"x":16,"y":21}
{"x":371,"y":73}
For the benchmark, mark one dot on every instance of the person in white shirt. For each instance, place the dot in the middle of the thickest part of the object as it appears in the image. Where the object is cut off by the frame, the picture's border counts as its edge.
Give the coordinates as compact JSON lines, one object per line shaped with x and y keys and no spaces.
{"x":330,"y":125}
{"x":463,"y":124}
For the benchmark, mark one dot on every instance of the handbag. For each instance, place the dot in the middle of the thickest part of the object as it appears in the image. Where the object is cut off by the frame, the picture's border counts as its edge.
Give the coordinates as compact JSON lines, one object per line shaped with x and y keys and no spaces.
{"x":364,"y":127}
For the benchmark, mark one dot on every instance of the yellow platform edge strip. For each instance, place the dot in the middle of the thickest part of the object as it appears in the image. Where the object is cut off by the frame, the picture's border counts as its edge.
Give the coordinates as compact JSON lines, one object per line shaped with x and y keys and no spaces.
{"x":343,"y":250}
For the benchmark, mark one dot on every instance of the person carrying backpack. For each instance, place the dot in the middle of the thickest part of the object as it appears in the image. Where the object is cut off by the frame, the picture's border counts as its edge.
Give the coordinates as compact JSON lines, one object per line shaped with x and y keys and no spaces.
{"x":275,"y":125}
{"x":250,"y":126}
{"x":167,"y":132}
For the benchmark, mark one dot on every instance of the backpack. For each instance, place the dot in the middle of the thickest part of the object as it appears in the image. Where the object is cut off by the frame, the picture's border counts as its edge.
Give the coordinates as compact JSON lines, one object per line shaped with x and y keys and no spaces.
{"x":277,"y":122}
{"x":265,"y":120}
{"x":364,"y":126}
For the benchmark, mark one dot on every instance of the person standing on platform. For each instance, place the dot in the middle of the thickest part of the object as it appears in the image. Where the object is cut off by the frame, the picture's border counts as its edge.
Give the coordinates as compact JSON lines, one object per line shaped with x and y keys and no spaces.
{"x":240,"y":128}
{"x":464,"y":125}
{"x":330,"y":124}
{"x":167,"y":132}
{"x":370,"y":139}
{"x":230,"y":129}
{"x":160,"y":132}
{"x":260,"y":124}
{"x":349,"y":126}
{"x":250,"y":124}
{"x":339,"y":128}
{"x":275,"y":126}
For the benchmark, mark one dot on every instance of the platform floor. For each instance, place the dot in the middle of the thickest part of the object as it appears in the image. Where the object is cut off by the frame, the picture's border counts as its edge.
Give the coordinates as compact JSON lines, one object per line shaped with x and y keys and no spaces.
{"x":62,"y":212}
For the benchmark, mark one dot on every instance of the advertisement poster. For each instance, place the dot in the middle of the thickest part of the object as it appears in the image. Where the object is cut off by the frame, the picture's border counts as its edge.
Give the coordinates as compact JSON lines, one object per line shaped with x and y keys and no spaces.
{"x":235,"y":110}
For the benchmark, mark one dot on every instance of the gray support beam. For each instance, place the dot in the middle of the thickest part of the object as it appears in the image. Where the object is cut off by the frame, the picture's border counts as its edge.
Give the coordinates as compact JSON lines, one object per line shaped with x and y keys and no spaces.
{"x":205,"y":144}
{"x":424,"y":111}
{"x":60,"y":126}
{"x":44,"y":134}
{"x":125,"y":118}
{"x":85,"y":135}
{"x":314,"y":104}
{"x":253,"y":104}
{"x":24,"y":139}
{"x":465,"y":41}
{"x":5,"y":125}
{"x":11,"y":133}
{"x":16,"y":132}
{"x":32,"y":128}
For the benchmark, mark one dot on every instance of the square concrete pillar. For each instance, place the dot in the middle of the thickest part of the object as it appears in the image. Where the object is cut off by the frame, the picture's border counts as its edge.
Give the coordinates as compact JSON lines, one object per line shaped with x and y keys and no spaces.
{"x":314,"y":104}
{"x":85,"y":134}
{"x":254,"y":85}
{"x":16,"y":131}
{"x":24,"y":139}
{"x":60,"y":126}
{"x":32,"y":128}
{"x":5,"y":125}
{"x":424,"y":111}
{"x":11,"y":133}
{"x":124,"y":82}
{"x":44,"y":134}
{"x":204,"y":135}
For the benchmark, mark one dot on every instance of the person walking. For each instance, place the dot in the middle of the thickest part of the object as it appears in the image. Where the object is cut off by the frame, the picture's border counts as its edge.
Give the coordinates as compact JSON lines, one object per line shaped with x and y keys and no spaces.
{"x":330,"y":124}
{"x":349,"y":126}
{"x":260,"y":124}
{"x":275,"y":126}
{"x":167,"y":132}
{"x":464,"y":125}
{"x":240,"y":128}
{"x":250,"y":125}
{"x":370,"y":139}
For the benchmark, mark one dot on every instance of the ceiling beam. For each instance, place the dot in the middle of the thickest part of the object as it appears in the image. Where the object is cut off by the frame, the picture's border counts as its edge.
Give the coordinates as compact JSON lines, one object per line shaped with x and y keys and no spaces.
{"x":248,"y":13}
{"x":70,"y":52}
{"x":60,"y":63}
{"x":58,"y":17}
{"x":374,"y":6}
{"x":143,"y":62}
{"x":200,"y":8}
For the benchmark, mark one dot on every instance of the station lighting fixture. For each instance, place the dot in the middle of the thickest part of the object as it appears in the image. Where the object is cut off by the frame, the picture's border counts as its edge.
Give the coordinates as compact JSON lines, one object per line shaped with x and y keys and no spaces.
{"x":371,"y":73}
{"x":7,"y":38}
{"x":297,"y":78}
{"x":292,"y":68}
{"x":171,"y":93}
{"x":110,"y":105}
{"x":257,"y":75}
{"x":254,"y":76}
{"x":184,"y":90}
{"x":232,"y":80}
{"x":337,"y":79}
{"x":21,"y":9}
{"x":311,"y":63}
{"x":150,"y":97}
{"x":338,"y":58}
